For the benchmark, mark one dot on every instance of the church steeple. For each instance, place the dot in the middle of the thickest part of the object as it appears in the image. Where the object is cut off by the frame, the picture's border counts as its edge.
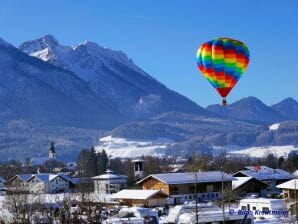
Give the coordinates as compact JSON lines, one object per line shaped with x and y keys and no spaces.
{"x":52,"y":151}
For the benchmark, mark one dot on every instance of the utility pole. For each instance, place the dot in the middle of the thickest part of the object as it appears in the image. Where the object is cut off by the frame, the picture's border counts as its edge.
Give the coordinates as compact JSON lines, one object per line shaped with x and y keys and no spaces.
{"x":296,"y":207}
{"x":196,"y":194}
{"x":222,"y":195}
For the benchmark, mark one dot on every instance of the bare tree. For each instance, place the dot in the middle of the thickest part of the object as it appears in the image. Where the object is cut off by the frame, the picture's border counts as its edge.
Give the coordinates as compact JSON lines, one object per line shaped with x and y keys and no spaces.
{"x":196,"y":165}
{"x":18,"y":205}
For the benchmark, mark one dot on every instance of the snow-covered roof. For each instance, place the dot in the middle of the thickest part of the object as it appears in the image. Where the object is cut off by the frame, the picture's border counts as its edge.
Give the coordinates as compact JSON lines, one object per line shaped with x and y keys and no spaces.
{"x":137,"y":194}
{"x":2,"y":179}
{"x":291,"y":184}
{"x":38,"y":161}
{"x":110,"y":175}
{"x":23,"y":177}
{"x":184,"y":178}
{"x":240,"y":181}
{"x":262,"y":200}
{"x":46,"y":177}
{"x":265,"y":173}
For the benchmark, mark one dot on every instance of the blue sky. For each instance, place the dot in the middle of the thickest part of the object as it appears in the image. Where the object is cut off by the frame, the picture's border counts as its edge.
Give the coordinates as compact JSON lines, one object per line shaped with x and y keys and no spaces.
{"x":162,"y":37}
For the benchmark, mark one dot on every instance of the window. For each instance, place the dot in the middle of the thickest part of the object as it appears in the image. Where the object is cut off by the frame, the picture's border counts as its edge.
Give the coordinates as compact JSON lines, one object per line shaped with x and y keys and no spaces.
{"x":243,"y":207}
{"x":209,"y":188}
{"x":254,"y":208}
{"x":191,"y":189}
{"x":265,"y":209}
{"x":174,"y":190}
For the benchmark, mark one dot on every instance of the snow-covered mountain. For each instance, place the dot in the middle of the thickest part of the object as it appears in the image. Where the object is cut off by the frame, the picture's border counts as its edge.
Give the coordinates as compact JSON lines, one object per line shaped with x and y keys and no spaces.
{"x":262,"y":152}
{"x":249,"y":109}
{"x":74,"y":95}
{"x":288,"y":108}
{"x":136,"y":93}
{"x":34,"y":90}
{"x":130,"y":148}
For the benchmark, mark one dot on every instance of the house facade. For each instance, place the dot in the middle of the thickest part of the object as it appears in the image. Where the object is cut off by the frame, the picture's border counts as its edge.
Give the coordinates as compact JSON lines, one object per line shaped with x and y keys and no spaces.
{"x":19,"y":183}
{"x":243,"y":186}
{"x":48,"y":184}
{"x":40,"y":183}
{"x":290,"y":194}
{"x":109,"y":183}
{"x":183,"y":187}
{"x":2,"y":181}
{"x":2,"y":187}
{"x":146,"y":198}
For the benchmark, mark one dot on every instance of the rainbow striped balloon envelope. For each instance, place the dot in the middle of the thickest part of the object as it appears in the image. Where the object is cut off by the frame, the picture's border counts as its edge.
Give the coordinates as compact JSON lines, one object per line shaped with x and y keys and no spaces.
{"x":222,"y":62}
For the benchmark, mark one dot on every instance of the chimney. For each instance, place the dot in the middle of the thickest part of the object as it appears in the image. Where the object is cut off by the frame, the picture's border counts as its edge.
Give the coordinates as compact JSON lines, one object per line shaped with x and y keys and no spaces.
{"x":257,"y":168}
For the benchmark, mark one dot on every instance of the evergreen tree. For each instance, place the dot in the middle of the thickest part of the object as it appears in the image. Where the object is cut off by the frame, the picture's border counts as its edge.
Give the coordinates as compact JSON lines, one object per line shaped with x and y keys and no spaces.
{"x":86,"y":164}
{"x":102,"y":162}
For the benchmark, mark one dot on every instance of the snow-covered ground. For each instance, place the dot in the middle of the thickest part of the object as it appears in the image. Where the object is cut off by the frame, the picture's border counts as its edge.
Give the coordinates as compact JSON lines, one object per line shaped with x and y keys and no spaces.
{"x":131,"y":148}
{"x":261,"y":152}
{"x":274,"y":127}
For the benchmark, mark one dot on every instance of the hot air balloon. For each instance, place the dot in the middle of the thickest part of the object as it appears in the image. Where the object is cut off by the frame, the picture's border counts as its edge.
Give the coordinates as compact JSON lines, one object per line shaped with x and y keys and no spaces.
{"x":222,"y":62}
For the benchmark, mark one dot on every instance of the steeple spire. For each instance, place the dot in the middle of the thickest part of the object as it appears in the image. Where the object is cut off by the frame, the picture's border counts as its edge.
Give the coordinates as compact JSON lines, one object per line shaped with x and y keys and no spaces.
{"x":52,"y":151}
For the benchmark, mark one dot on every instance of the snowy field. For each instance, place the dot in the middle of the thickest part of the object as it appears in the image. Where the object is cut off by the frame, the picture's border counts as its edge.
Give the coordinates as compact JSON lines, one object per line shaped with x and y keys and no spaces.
{"x":274,"y":127}
{"x":131,"y":148}
{"x":261,"y":152}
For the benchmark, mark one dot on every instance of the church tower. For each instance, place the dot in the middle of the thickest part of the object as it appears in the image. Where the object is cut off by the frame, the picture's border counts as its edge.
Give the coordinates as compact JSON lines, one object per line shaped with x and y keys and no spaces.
{"x":52,"y":152}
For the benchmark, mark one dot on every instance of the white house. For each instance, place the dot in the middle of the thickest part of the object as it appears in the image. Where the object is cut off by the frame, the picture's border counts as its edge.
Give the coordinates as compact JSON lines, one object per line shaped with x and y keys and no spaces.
{"x":290,"y":194}
{"x":48,"y":183}
{"x":109,"y":183}
{"x":2,"y":188}
{"x":2,"y":181}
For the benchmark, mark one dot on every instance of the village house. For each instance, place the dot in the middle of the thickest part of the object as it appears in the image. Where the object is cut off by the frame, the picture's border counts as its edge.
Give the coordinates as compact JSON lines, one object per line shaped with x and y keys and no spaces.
{"x":109,"y":183}
{"x":243,"y":186}
{"x":2,"y":187}
{"x":146,"y":198}
{"x":48,"y":183}
{"x":290,"y":193}
{"x":182,"y":187}
{"x":2,"y":181}
{"x":19,"y":183}
{"x":40,"y":183}
{"x":271,"y":177}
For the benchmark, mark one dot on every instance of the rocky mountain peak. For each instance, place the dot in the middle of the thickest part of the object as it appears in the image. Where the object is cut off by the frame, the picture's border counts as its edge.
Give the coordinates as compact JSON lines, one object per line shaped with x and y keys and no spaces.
{"x":48,"y":41}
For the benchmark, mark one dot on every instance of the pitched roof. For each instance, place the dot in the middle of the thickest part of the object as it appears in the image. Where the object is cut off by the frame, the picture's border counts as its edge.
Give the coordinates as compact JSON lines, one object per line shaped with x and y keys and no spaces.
{"x":184,"y":178}
{"x":291,"y":184}
{"x":240,"y":181}
{"x":23,"y":177}
{"x":46,"y":177}
{"x":137,"y":194}
{"x":265,"y":173}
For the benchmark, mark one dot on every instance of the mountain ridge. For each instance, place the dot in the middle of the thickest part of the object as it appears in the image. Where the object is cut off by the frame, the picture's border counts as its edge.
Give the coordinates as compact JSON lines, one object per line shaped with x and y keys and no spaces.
{"x":249,"y":109}
{"x":136,"y":93}
{"x":43,"y":99}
